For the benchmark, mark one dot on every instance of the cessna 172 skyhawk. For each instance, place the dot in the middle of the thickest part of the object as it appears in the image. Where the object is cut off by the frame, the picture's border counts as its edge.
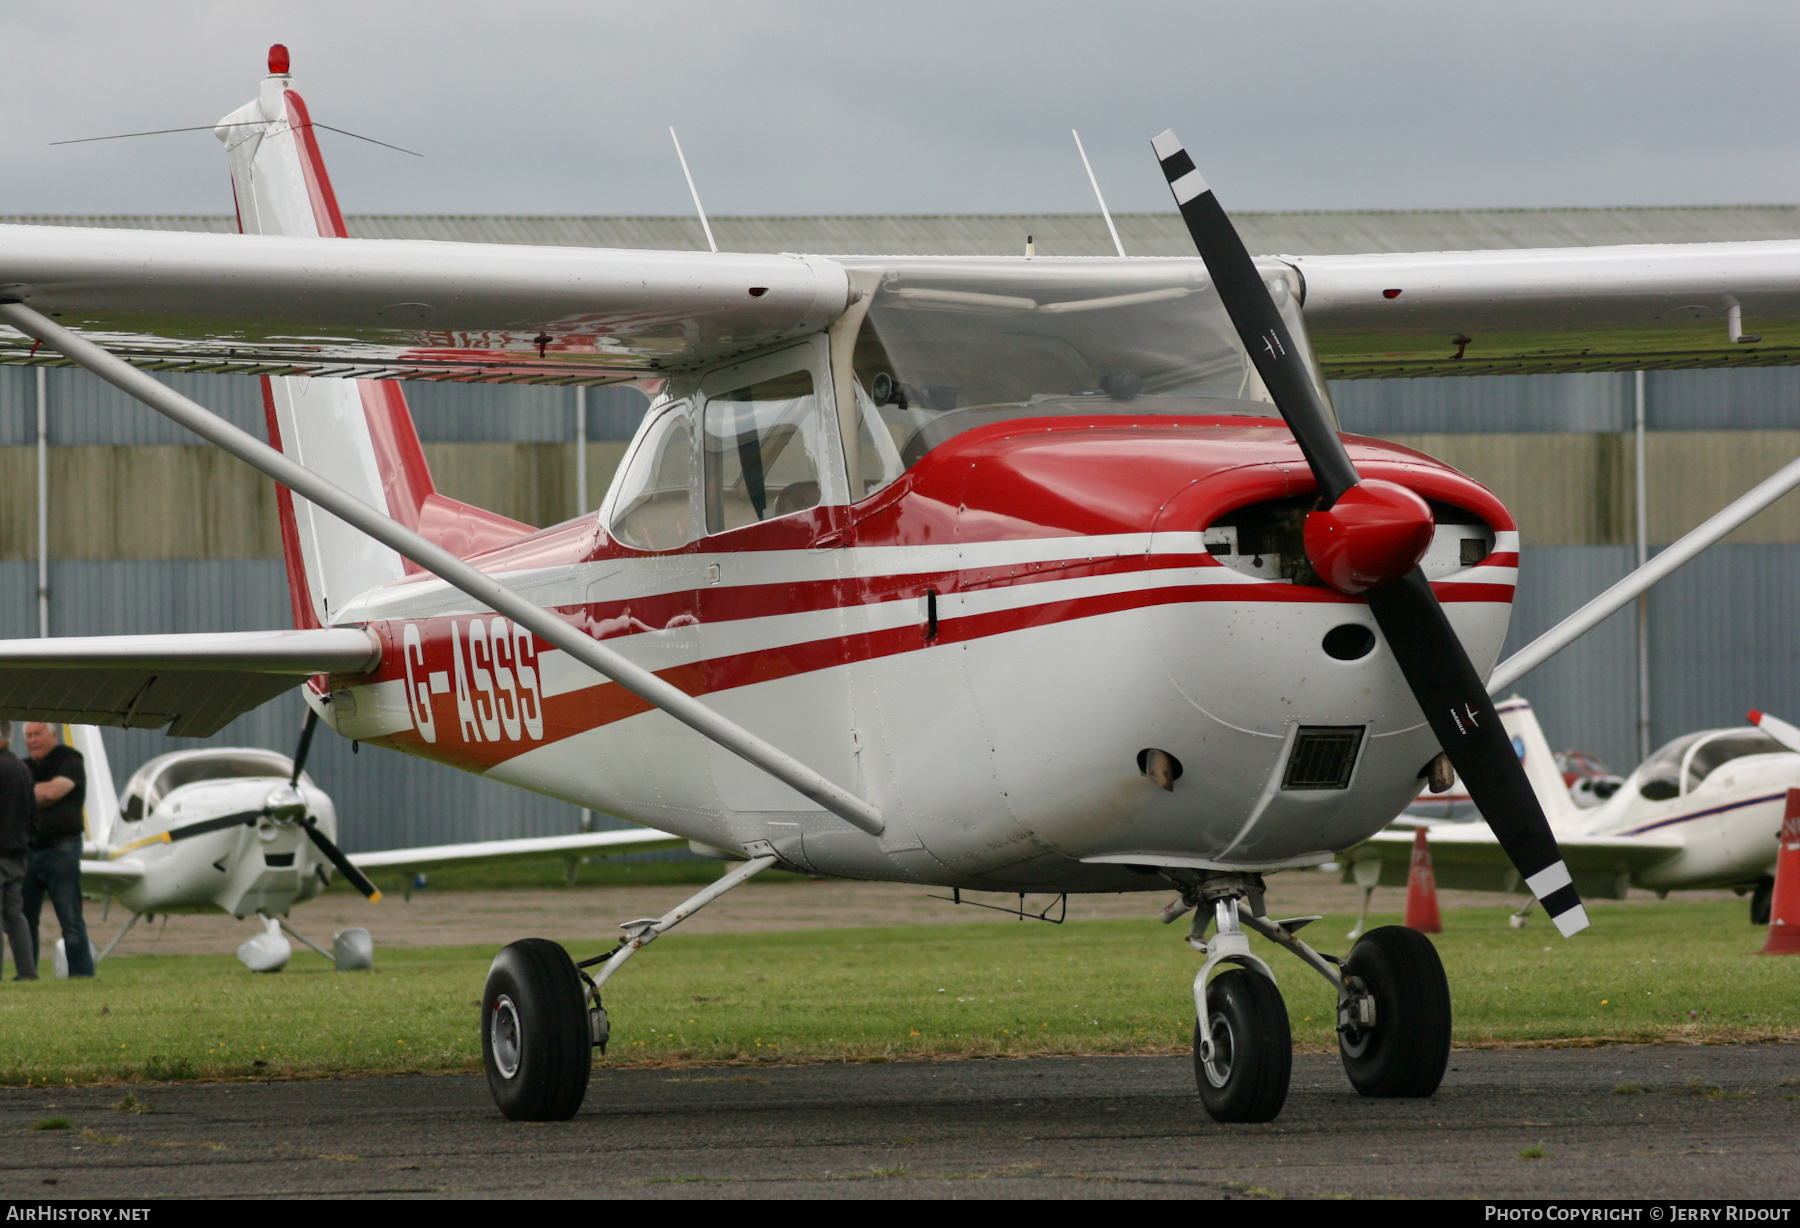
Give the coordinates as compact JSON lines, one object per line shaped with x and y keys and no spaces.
{"x":1702,"y":812}
{"x":1008,"y":574}
{"x":245,"y":831}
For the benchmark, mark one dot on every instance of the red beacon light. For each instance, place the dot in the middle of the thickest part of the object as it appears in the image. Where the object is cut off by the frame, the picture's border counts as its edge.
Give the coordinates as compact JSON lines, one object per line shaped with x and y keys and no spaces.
{"x":278,"y":59}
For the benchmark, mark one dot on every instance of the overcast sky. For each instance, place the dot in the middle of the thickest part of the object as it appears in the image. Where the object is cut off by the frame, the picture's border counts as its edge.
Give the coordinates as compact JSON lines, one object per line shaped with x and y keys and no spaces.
{"x":540,"y":106}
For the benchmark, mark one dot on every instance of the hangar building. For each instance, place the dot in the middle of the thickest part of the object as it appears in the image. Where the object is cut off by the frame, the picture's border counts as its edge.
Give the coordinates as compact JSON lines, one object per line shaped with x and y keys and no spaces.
{"x":149,"y":531}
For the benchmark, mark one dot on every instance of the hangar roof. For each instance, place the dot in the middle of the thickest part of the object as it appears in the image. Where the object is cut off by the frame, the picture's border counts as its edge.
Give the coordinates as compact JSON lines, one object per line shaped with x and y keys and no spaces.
{"x":1065,"y":234}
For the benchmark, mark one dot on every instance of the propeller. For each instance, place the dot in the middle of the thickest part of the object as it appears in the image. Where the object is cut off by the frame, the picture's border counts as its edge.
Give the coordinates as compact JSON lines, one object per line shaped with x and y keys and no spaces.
{"x":287,"y":803}
{"x":1776,"y":728}
{"x":310,"y":825}
{"x":1366,"y":539}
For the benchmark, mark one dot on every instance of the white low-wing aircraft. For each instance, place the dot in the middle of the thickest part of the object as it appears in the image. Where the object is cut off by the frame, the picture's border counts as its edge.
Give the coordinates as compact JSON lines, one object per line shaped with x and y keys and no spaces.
{"x":1701,"y":813}
{"x":1048,"y":575}
{"x":245,"y":831}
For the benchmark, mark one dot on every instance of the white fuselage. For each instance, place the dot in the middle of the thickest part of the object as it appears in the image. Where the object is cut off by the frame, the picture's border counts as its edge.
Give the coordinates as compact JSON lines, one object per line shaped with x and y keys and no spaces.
{"x":1728,"y":822}
{"x":268,"y":865}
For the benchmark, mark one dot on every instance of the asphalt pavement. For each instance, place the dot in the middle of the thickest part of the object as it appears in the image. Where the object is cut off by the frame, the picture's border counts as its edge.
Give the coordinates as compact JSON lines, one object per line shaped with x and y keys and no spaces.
{"x":1651,"y":1121}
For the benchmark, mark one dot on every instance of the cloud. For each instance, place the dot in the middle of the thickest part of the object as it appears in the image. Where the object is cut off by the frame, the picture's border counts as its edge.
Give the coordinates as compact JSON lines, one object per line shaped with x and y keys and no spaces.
{"x":544,"y":106}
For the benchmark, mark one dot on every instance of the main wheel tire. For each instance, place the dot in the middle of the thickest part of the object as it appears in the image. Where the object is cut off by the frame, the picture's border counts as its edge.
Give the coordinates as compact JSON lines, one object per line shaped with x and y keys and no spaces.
{"x":1243,"y":1074}
{"x":1762,"y":900}
{"x":1406,"y":1051}
{"x":535,"y":1037}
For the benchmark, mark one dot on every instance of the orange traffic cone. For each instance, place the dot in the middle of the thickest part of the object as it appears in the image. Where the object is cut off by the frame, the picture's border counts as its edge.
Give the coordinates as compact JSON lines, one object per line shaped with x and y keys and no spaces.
{"x":1421,"y":890}
{"x":1784,"y":909}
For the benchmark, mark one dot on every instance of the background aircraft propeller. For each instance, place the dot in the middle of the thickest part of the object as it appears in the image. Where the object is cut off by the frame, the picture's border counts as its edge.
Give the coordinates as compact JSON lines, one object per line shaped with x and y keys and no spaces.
{"x":1366,"y":538}
{"x":295,"y":809}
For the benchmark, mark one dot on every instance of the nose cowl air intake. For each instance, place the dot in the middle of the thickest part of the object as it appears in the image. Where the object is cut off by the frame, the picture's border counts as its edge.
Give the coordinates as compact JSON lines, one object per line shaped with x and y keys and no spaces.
{"x":1374,"y":534}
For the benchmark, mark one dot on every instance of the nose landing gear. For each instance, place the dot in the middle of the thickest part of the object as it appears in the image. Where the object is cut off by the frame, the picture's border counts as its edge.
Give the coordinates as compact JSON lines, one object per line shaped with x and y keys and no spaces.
{"x":1393,"y":1004}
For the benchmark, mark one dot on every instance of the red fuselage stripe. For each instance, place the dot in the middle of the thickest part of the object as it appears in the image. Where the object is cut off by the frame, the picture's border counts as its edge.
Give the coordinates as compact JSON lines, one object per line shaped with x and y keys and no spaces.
{"x":589,"y":708}
{"x":735,"y":602}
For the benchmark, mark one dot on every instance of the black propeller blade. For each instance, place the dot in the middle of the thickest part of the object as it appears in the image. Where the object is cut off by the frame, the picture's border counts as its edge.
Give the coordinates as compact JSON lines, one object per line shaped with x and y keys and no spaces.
{"x":218,"y":824}
{"x":305,"y":747}
{"x":357,"y":878}
{"x":325,"y":844}
{"x":1367,"y":538}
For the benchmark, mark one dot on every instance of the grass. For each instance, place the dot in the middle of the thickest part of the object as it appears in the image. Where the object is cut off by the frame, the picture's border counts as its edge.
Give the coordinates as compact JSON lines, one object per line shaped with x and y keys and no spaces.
{"x":1682,"y":971}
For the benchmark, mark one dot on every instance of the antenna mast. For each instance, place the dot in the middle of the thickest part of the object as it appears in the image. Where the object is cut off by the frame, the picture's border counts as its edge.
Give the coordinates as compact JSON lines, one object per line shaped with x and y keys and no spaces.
{"x":1090,"y":170}
{"x":701,"y":209}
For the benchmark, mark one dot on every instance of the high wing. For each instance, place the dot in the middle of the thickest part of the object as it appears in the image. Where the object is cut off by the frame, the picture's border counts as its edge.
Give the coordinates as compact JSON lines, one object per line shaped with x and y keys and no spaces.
{"x":490,"y":852}
{"x":281,"y":305}
{"x":1558,"y":309}
{"x":193,"y":684}
{"x":1467,"y":857}
{"x":270,"y":304}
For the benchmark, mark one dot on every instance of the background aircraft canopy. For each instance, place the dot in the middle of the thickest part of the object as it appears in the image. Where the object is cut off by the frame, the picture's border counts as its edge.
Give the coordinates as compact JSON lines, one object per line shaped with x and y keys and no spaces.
{"x":164,"y":774}
{"x":1680,"y":766}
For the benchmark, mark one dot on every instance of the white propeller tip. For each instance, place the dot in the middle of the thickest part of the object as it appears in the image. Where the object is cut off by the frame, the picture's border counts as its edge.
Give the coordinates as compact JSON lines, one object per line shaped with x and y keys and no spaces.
{"x":1572,"y":922}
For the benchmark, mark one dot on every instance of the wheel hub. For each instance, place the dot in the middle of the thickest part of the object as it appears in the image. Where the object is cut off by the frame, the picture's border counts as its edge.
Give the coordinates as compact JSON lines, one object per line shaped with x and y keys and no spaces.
{"x":1216,"y":1049}
{"x":503,"y":1036}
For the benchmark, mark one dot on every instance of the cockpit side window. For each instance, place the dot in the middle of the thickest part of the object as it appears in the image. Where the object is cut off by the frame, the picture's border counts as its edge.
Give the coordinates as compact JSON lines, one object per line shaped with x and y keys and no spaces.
{"x":653,"y":509}
{"x":762,"y":452}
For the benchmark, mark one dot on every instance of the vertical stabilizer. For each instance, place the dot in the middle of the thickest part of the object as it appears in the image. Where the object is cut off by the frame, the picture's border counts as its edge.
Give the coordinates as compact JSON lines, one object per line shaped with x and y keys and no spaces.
{"x":101,"y":809}
{"x":1539,"y":760}
{"x":355,"y":433}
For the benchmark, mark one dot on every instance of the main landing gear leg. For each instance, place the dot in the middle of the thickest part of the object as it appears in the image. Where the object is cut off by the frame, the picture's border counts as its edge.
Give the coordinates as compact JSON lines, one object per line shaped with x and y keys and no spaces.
{"x":118,"y":937}
{"x":541,"y":1014}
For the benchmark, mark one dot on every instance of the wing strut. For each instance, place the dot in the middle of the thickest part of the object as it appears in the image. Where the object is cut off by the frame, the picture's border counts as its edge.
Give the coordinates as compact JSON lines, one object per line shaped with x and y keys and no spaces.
{"x":447,"y":567}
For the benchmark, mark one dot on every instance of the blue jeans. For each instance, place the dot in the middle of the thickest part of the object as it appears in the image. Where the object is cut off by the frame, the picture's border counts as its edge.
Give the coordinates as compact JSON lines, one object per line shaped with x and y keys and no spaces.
{"x":56,"y":872}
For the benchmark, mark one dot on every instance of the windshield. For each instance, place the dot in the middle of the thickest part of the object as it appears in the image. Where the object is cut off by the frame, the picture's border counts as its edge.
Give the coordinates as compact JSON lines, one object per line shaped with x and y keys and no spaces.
{"x":951,"y":344}
{"x":1659,"y":778}
{"x":166,"y":773}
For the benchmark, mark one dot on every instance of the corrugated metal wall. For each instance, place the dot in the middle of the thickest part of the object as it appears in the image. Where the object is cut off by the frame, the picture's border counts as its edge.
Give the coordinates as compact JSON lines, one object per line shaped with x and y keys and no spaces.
{"x":1763,"y":398}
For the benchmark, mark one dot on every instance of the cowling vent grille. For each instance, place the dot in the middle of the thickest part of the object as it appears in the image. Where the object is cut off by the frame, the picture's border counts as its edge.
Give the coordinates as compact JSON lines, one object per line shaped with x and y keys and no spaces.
{"x":1324,"y":756}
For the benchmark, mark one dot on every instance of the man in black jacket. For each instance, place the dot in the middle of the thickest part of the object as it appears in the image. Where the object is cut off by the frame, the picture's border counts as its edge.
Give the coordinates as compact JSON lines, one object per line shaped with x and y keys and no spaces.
{"x":18,"y":827}
{"x":53,"y":867}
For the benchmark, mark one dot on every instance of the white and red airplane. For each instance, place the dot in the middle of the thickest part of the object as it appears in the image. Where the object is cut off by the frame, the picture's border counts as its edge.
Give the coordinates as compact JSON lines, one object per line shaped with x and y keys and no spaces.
{"x":1048,"y":575}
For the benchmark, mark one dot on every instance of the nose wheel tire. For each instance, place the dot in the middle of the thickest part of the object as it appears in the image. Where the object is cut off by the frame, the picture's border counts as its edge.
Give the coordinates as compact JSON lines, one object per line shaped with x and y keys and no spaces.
{"x":1405,"y":1051}
{"x":1243,"y":1049}
{"x":536,"y":1040}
